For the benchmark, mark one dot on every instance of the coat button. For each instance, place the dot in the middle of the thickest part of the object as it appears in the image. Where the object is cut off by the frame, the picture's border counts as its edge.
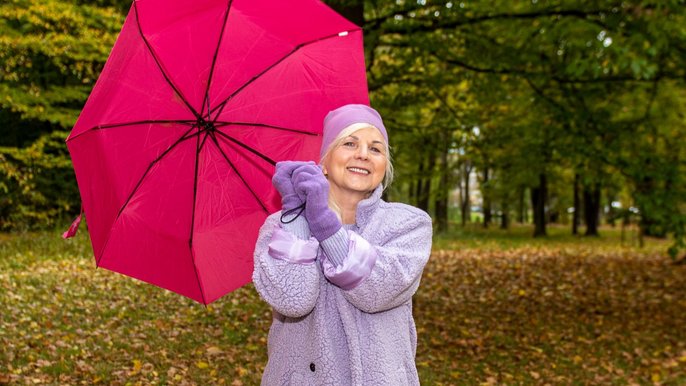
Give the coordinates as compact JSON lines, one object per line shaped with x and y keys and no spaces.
{"x":312,"y":367}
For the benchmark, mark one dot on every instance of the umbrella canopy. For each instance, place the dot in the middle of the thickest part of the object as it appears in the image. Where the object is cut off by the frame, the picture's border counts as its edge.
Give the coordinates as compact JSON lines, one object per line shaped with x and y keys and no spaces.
{"x":175,"y":147}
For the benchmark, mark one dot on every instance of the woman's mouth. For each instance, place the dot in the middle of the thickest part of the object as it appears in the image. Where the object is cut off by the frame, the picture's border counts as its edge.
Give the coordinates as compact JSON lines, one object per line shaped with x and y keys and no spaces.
{"x":358,"y":170}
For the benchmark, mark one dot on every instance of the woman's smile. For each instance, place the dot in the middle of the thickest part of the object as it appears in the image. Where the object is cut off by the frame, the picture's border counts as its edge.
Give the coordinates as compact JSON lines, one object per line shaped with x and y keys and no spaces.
{"x":357,"y":170}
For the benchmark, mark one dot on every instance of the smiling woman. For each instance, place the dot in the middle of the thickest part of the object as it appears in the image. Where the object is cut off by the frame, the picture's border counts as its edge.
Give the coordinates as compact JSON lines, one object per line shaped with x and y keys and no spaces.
{"x":355,"y":164}
{"x":340,"y":278}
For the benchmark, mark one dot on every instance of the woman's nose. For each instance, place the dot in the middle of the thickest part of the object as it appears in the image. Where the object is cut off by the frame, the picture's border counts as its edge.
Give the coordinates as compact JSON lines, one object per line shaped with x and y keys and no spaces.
{"x":362,"y":152}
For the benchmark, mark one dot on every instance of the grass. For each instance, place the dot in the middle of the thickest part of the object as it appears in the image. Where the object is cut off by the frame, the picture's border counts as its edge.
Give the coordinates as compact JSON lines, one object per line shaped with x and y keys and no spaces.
{"x":475,"y":236}
{"x":494,"y":307}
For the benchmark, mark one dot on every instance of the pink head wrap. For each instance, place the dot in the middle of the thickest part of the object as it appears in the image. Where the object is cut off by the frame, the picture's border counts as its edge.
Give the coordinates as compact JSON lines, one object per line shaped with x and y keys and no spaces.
{"x":344,"y":116}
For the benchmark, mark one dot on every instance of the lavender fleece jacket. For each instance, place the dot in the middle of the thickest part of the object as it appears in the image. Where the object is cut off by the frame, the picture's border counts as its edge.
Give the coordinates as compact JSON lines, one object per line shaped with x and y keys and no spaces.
{"x":322,"y":334}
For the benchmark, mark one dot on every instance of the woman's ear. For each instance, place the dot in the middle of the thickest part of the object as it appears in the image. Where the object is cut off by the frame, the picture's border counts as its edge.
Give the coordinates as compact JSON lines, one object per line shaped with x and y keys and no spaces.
{"x":321,"y":165}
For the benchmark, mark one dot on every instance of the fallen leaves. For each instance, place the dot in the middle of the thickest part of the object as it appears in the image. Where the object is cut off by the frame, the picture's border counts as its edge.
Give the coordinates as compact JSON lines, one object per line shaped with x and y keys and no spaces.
{"x":551,"y":315}
{"x":66,"y":322}
{"x":524,"y":315}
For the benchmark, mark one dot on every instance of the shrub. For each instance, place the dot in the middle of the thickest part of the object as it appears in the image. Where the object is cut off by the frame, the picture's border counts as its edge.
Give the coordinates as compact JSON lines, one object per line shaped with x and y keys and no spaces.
{"x":38,"y":185}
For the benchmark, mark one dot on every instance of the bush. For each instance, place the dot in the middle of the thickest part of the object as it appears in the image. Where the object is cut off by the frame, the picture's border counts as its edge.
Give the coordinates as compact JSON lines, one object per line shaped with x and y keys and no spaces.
{"x":38,"y":184}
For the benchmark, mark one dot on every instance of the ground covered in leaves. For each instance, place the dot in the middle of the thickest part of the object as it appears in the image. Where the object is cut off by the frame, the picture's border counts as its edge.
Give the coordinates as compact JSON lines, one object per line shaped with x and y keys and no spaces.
{"x":493,"y":308}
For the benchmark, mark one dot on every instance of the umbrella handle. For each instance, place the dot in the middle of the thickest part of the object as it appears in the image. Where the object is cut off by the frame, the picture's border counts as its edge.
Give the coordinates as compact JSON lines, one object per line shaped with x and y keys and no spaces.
{"x":287,"y":213}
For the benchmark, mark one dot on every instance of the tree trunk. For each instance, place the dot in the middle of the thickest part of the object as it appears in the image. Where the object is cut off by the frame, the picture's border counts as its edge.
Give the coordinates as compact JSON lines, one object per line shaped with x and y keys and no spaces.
{"x":411,"y":188}
{"x":417,"y":188}
{"x":425,"y":183}
{"x":521,"y":207}
{"x":505,"y":217}
{"x":526,"y":208}
{"x":577,"y":206}
{"x":538,"y":200}
{"x":486,"y":199}
{"x":592,"y":208}
{"x":441,"y":204}
{"x":464,"y":197}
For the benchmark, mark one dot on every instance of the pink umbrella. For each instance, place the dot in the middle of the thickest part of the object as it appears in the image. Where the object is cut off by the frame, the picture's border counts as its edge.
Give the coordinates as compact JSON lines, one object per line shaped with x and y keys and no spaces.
{"x":175,"y":147}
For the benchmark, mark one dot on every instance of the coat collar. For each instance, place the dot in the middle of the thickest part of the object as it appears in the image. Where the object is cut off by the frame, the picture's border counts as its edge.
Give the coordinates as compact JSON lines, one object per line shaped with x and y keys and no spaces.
{"x":366,"y":207}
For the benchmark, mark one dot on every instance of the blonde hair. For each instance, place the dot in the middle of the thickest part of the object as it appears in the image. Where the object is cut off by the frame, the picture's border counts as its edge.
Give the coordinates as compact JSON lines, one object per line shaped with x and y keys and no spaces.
{"x":342,"y":135}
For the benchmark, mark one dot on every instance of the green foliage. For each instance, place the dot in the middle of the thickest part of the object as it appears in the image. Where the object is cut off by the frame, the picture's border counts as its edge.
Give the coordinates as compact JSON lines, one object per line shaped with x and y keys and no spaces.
{"x":575,"y":87}
{"x":594,"y":88}
{"x":37,"y":184}
{"x":51,"y":53}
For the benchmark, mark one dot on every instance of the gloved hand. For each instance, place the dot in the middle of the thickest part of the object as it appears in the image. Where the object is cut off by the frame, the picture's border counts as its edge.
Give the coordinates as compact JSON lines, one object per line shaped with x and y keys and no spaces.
{"x":282,"y":181}
{"x":312,"y":187}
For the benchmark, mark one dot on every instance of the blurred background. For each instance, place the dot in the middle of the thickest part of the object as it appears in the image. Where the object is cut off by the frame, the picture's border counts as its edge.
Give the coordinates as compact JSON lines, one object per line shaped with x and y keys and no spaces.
{"x":545,"y":138}
{"x":501,"y":113}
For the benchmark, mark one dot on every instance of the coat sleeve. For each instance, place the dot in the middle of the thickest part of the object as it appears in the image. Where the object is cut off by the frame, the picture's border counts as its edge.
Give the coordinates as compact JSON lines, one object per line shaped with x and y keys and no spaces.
{"x":290,"y":287}
{"x":400,"y":261}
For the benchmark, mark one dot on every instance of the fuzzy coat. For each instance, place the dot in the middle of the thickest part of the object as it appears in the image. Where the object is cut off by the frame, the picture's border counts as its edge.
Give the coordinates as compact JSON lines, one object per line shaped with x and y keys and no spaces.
{"x":365,"y":334}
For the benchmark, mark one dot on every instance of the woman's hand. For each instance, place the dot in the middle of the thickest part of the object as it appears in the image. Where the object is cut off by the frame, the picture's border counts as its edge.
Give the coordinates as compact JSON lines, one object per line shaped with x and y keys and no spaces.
{"x":312,"y":187}
{"x":282,"y":181}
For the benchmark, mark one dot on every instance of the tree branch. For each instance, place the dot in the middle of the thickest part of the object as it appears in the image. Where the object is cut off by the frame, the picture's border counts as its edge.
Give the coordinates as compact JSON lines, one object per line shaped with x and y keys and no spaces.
{"x":434,"y":24}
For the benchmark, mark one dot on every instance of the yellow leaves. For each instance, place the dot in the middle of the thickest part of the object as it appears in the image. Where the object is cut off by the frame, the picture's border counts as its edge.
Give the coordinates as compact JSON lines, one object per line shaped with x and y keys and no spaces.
{"x":137,"y":366}
{"x":242,"y":371}
{"x":202,"y":365}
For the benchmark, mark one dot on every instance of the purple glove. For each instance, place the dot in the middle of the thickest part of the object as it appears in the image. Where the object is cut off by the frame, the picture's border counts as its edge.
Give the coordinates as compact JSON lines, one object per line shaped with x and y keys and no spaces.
{"x":282,"y":182}
{"x":312,"y":187}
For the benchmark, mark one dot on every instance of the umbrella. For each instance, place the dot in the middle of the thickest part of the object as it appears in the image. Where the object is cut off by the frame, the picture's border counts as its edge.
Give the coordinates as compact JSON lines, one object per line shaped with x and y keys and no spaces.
{"x":176,"y":145}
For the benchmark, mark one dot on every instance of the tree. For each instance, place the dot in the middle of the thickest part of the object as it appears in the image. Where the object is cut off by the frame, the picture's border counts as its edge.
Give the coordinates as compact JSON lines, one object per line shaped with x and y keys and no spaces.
{"x":568,"y":72}
{"x":51,"y":53}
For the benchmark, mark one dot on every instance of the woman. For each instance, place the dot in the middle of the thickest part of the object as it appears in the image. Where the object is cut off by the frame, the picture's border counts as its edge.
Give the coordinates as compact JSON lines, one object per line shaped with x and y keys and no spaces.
{"x":340,"y":276}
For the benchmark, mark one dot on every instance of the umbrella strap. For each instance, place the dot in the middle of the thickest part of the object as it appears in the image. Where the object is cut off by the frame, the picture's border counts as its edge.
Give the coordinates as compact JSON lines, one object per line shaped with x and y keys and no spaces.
{"x":289,"y":212}
{"x":71,"y":232}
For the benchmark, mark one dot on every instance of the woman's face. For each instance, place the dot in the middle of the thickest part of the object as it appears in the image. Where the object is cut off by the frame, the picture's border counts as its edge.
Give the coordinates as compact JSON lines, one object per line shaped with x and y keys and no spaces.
{"x":358,"y":164}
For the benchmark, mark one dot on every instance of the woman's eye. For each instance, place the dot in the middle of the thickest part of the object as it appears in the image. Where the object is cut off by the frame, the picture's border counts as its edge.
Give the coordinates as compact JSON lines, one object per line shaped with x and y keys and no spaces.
{"x":349,"y":144}
{"x":375,"y":150}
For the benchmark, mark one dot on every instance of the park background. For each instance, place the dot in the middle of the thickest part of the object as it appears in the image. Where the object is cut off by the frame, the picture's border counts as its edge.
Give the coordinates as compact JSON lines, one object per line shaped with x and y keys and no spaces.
{"x":545,"y":138}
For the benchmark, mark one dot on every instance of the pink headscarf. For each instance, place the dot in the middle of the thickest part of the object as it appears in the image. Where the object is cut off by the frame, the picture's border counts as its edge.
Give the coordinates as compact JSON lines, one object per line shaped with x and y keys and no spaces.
{"x":344,"y":116}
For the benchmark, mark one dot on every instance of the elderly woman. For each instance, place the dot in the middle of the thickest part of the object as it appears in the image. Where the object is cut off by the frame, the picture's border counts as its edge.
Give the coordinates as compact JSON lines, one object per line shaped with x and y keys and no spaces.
{"x":340,"y":276}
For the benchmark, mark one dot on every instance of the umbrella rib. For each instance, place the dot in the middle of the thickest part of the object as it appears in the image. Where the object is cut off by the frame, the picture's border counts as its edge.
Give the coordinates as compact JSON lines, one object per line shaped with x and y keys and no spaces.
{"x":214,"y":61}
{"x":184,"y":137}
{"x":222,"y":124}
{"x":115,"y":125}
{"x":248,"y":148}
{"x":198,"y":147}
{"x":294,"y":50}
{"x":159,"y":65}
{"x":216,"y":143}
